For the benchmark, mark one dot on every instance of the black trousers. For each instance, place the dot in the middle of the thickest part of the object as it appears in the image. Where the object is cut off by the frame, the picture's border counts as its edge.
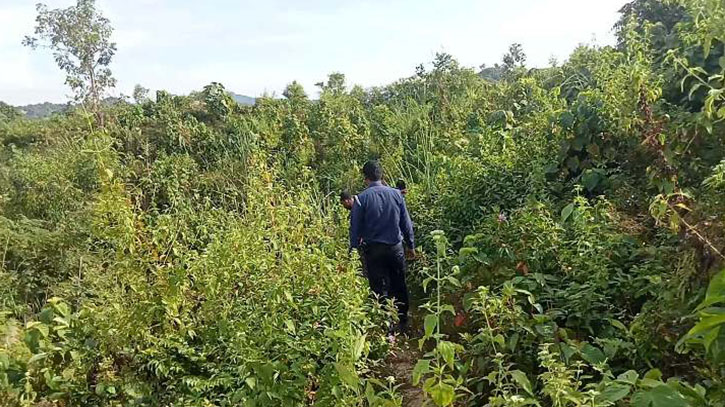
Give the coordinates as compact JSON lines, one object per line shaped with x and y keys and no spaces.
{"x":386,"y":273}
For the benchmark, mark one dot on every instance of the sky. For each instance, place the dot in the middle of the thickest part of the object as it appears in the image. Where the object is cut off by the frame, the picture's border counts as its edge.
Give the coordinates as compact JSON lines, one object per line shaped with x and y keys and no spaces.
{"x":258,"y":47}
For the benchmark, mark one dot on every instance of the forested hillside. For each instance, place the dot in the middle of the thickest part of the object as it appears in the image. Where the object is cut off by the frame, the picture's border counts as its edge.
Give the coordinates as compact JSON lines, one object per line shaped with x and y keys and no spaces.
{"x":191,"y":251}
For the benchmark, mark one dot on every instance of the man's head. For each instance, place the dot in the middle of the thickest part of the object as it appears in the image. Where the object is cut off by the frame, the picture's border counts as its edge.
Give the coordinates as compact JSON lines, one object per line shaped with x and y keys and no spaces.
{"x":372,"y":171}
{"x":400,"y":185}
{"x":346,"y":199}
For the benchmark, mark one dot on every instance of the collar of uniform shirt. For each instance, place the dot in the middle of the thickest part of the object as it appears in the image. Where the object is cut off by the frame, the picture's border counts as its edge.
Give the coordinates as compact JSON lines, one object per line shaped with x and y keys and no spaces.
{"x":375,"y":184}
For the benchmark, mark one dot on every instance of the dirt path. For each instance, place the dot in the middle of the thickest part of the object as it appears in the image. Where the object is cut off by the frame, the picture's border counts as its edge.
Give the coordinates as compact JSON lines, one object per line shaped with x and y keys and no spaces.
{"x":400,"y":365}
{"x":401,"y":361}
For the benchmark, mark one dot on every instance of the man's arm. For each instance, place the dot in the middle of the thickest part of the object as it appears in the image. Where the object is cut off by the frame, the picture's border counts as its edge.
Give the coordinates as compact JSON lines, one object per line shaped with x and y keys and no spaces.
{"x":406,"y":225}
{"x":356,"y":224}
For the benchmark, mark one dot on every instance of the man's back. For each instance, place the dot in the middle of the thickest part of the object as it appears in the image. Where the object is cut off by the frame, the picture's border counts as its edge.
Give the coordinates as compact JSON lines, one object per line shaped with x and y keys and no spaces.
{"x":380,"y":216}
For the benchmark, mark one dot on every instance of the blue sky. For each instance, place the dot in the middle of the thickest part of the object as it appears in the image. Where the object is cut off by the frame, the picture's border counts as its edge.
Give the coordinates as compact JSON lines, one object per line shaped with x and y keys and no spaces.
{"x":253,"y":47}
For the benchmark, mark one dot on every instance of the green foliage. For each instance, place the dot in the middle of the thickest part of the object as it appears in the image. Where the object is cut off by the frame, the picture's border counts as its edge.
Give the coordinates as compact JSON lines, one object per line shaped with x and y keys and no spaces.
{"x":192,"y":252}
{"x":8,"y":113}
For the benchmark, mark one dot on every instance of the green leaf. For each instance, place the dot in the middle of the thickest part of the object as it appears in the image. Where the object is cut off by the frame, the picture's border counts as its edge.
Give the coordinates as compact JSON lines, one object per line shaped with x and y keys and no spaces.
{"x":442,"y":394}
{"x":660,"y":396}
{"x":590,"y":180}
{"x":448,"y":351}
{"x":348,"y":375}
{"x":522,"y":381}
{"x":629,"y":377}
{"x":448,"y":308}
{"x":618,"y":325}
{"x":429,"y":325}
{"x":653,"y":374}
{"x":290,"y":326}
{"x":615,"y":392}
{"x":706,"y":324}
{"x":37,"y":357}
{"x":421,"y":368}
{"x":251,"y":382}
{"x":566,"y":212}
{"x":592,"y":354}
{"x":707,"y":46}
{"x":641,"y":399}
{"x":567,"y":351}
{"x":40,"y":327}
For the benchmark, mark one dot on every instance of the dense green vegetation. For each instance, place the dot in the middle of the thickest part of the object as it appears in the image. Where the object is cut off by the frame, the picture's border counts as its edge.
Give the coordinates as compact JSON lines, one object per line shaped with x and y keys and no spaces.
{"x":190,"y":251}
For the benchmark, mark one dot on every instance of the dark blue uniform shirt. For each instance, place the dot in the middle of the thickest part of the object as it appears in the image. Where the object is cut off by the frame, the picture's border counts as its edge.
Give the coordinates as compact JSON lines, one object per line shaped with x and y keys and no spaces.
{"x":379,"y":215}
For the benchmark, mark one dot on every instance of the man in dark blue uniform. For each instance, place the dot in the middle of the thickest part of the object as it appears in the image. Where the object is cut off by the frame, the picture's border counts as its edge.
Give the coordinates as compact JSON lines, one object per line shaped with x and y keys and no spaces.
{"x":379,"y":224}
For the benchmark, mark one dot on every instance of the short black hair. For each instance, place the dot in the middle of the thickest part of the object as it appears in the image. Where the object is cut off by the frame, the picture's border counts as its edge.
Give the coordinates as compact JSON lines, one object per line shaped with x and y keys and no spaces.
{"x":345,"y":195}
{"x":400,"y":184}
{"x":372,"y":170}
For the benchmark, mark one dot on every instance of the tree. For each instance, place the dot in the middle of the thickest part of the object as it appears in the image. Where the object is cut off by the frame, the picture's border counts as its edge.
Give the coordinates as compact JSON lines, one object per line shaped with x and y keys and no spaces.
{"x":514,"y":59}
{"x":295,"y":92}
{"x":491,"y":73}
{"x":666,"y":14}
{"x":335,"y":83}
{"x":140,"y":94}
{"x":79,"y":37}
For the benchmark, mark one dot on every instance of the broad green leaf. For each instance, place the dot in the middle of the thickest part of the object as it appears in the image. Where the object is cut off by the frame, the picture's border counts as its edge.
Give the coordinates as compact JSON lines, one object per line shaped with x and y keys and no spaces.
{"x":653,"y":374}
{"x":443,"y":394}
{"x":522,"y":381}
{"x":665,"y":396}
{"x":630,"y":377}
{"x":448,"y":351}
{"x":422,"y":367}
{"x":566,"y":212}
{"x":347,"y":375}
{"x":706,"y":323}
{"x":567,"y":351}
{"x":448,"y":308}
{"x":38,"y":326}
{"x":615,"y":392}
{"x":251,"y":382}
{"x":592,"y":354}
{"x":429,"y":325}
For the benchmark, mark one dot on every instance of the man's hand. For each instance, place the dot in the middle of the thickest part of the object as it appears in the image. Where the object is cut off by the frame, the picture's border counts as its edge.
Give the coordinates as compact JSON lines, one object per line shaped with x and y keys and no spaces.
{"x":410,"y":254}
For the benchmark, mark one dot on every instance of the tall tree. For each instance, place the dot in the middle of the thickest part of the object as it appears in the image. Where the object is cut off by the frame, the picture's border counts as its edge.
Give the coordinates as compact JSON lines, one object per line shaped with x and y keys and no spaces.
{"x":668,"y":14}
{"x":295,"y":92}
{"x":514,"y":59}
{"x":140,"y":94}
{"x":80,"y":39}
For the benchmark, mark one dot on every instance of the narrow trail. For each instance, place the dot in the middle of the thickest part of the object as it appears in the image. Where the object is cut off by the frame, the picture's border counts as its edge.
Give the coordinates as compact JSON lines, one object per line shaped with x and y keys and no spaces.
{"x":400,"y":365}
{"x":401,"y":361}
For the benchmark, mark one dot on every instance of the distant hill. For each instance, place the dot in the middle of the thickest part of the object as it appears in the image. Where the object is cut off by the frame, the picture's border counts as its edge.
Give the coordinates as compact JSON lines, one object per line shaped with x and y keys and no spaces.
{"x":46,"y":109}
{"x":40,"y":110}
{"x":243,"y":100}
